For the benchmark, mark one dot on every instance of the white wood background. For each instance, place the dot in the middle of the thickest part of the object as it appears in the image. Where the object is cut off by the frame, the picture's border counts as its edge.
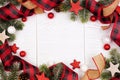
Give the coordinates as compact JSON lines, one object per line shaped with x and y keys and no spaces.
{"x":61,"y":40}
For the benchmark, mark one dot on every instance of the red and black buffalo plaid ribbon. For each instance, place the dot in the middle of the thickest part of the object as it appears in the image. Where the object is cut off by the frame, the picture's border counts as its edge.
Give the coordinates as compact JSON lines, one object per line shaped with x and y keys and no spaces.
{"x":8,"y":59}
{"x":10,"y":11}
{"x":67,"y":73}
{"x":47,"y":4}
{"x":97,"y":10}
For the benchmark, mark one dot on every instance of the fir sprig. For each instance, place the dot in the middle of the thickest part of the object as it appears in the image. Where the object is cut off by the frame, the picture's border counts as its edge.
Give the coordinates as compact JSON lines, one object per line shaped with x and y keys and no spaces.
{"x":44,"y":69}
{"x":3,"y":74}
{"x":57,"y":71}
{"x":14,"y":72}
{"x":106,"y":2}
{"x":3,"y":2}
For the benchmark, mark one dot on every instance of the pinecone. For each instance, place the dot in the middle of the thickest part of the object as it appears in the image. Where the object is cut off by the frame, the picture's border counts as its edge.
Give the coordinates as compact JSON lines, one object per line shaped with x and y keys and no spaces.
{"x":23,"y":76}
{"x":57,"y":9}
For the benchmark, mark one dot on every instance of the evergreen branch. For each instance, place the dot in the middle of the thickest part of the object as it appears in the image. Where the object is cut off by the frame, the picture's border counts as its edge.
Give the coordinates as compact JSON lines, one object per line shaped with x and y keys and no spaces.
{"x":14,"y":73}
{"x":84,"y":15}
{"x":44,"y":69}
{"x":73,"y":16}
{"x":106,"y":2}
{"x":57,"y":71}
{"x":3,"y":2}
{"x":106,"y":75}
{"x":3,"y":74}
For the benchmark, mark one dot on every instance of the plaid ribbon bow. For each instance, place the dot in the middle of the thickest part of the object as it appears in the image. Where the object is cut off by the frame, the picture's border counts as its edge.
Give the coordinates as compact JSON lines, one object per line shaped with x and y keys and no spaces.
{"x":10,"y":11}
{"x":8,"y":59}
{"x":97,"y":10}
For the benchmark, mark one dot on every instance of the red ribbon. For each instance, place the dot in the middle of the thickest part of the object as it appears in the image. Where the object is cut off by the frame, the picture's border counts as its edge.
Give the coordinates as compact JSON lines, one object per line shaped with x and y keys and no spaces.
{"x":10,"y":11}
{"x":97,"y":10}
{"x":8,"y":59}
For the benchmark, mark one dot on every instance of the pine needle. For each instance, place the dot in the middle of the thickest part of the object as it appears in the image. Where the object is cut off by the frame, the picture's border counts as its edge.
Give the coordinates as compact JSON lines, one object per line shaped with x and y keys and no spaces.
{"x":3,"y":74}
{"x":57,"y":71}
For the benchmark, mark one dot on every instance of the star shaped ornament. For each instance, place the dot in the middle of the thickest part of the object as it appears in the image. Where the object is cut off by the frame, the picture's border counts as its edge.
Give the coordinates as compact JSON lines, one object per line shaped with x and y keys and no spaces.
{"x":3,"y":36}
{"x":75,"y":7}
{"x":75,"y":64}
{"x":113,"y":68}
{"x":42,"y":77}
{"x":14,"y":48}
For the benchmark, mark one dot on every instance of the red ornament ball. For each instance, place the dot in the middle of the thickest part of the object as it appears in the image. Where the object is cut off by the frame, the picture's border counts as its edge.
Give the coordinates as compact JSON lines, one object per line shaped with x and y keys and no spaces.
{"x":106,"y":46}
{"x":50,"y":15}
{"x":93,"y":18}
{"x":24,"y":19}
{"x":22,"y":53}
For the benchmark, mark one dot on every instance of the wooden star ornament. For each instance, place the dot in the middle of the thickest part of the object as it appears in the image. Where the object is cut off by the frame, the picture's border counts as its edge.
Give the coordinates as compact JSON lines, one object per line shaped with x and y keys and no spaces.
{"x":75,"y":7}
{"x":113,"y":68}
{"x":3,"y":36}
{"x":75,"y":64}
{"x":42,"y":77}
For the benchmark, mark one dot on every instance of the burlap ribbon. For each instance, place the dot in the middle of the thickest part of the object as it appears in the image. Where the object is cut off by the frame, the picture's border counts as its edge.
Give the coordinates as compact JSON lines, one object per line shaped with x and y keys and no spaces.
{"x":30,"y":5}
{"x":92,"y":74}
{"x":109,"y":10}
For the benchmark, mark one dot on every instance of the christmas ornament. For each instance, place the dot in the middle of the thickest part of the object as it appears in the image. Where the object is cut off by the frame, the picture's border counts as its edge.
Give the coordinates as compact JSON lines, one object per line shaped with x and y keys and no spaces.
{"x":42,"y":77}
{"x":24,"y":19}
{"x":113,"y":68}
{"x":106,"y":39}
{"x":14,"y":48}
{"x":3,"y":36}
{"x":11,"y":30}
{"x":22,"y":53}
{"x":75,"y":7}
{"x":107,"y":47}
{"x":92,"y":74}
{"x":75,"y":64}
{"x":93,"y":18}
{"x":50,"y":15}
{"x":84,"y":67}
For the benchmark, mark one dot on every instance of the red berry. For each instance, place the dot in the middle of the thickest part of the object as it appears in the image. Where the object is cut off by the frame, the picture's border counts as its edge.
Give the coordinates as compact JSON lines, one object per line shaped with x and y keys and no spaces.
{"x":106,"y":46}
{"x":93,"y":18}
{"x":24,"y":19}
{"x":22,"y":53}
{"x":50,"y":15}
